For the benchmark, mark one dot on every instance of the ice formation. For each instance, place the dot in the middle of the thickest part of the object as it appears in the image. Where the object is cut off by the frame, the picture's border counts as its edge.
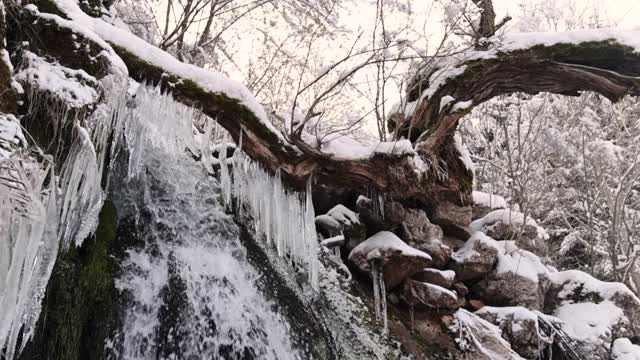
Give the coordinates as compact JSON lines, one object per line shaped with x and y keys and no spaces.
{"x":42,"y":212}
{"x":379,"y":293}
{"x":191,"y":254}
{"x":284,"y":218}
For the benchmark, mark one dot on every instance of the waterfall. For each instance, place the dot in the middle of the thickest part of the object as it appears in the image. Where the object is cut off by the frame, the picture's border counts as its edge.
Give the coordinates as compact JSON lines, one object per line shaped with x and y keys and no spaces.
{"x":188,"y":289}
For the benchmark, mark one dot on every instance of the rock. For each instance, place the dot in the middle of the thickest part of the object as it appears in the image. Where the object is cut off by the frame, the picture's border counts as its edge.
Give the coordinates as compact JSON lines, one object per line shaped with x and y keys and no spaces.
{"x":328,"y":226}
{"x":454,"y":219}
{"x":475,"y":304}
{"x":594,"y":312}
{"x":519,"y":271}
{"x":478,"y":338}
{"x":339,"y":220}
{"x":380,"y":215}
{"x":484,"y":203}
{"x":421,"y":234}
{"x":475,"y":259}
{"x":624,"y":349}
{"x":399,"y":260}
{"x":422,"y":294}
{"x":507,"y":224}
{"x":436,"y":277}
{"x":453,"y":243}
{"x":519,"y":327}
{"x":460,"y":289}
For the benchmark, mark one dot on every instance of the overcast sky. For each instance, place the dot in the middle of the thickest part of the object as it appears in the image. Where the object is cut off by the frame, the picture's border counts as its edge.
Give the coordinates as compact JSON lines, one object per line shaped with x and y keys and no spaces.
{"x":626,"y":10}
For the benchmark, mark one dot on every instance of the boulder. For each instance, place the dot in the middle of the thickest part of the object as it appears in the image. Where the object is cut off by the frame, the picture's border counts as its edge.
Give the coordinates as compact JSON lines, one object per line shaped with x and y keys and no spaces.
{"x":398,"y":260}
{"x":624,"y":349}
{"x":421,"y":234}
{"x":478,"y":338}
{"x":519,"y":271}
{"x":443,"y":278}
{"x":519,"y":327}
{"x":380,"y":215}
{"x":594,"y":312}
{"x":339,"y":220}
{"x":484,"y":203}
{"x":426,"y":295}
{"x":507,"y":224}
{"x":452,"y":217}
{"x":461,"y":289}
{"x":475,"y":259}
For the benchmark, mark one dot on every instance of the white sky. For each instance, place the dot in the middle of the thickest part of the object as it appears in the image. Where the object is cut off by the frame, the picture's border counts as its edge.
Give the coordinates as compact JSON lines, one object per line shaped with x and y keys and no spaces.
{"x":628,"y":11}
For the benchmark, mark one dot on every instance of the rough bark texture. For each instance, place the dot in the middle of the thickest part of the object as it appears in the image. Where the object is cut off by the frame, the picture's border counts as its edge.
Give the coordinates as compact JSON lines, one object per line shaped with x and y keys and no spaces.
{"x":443,"y":192}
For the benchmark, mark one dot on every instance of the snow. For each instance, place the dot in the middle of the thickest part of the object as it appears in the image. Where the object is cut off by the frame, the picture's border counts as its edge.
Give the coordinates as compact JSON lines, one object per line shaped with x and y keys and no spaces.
{"x":519,"y":313}
{"x":206,"y":79}
{"x":623,"y":349}
{"x":445,"y":101}
{"x":515,"y":41}
{"x":333,"y":241}
{"x":461,"y":106}
{"x":74,"y":88}
{"x":517,"y":261}
{"x":343,"y":215}
{"x":507,"y":217}
{"x":487,"y":200}
{"x":386,"y":241}
{"x":467,"y":251}
{"x":589,"y":321}
{"x":327,"y":222}
{"x":11,"y":136}
{"x":348,"y":148}
{"x":575,"y":279}
{"x":478,"y":335}
{"x":449,"y":275}
{"x":465,"y":157}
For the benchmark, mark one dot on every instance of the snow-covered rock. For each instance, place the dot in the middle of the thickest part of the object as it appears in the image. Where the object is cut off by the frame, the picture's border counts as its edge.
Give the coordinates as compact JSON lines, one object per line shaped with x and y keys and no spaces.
{"x":484,"y":203}
{"x":399,"y":260}
{"x":421,"y":234}
{"x":594,"y":312}
{"x":508,"y":224}
{"x":444,"y":278}
{"x":476,"y":258}
{"x":518,"y":270}
{"x":623,"y":349}
{"x":480,"y":339}
{"x":73,"y":88}
{"x":340,"y":221}
{"x":423,"y":294}
{"x":519,"y":327}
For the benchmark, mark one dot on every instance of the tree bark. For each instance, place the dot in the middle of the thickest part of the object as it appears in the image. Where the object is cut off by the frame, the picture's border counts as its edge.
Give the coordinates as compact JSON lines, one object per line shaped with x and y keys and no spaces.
{"x":444,"y":190}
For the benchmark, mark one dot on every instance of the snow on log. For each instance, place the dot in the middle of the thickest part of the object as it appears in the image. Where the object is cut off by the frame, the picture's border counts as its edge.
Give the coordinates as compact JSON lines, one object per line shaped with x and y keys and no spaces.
{"x":603,"y":61}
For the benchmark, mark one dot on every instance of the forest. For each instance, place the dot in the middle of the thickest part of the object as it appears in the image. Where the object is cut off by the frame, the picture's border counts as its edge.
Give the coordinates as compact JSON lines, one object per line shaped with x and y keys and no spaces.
{"x":320,"y":179}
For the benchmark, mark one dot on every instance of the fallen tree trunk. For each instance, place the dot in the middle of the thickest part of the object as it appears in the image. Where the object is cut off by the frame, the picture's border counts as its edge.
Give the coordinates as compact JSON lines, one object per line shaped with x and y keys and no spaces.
{"x":433,"y":177}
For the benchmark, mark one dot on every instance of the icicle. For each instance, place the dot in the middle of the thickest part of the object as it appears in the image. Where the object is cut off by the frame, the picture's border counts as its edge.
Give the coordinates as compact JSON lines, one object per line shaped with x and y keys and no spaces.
{"x":284,"y":219}
{"x":412,"y":315}
{"x":379,"y":293}
{"x":376,"y":289}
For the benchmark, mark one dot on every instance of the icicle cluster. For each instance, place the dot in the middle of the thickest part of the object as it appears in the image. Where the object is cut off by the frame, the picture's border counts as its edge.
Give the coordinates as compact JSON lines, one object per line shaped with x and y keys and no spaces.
{"x":41,"y":213}
{"x":379,"y":294}
{"x":158,"y":122}
{"x":285,"y":219}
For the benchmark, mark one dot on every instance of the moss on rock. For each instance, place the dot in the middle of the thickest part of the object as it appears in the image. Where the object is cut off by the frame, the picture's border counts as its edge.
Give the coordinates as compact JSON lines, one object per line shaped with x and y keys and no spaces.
{"x":76,"y":315}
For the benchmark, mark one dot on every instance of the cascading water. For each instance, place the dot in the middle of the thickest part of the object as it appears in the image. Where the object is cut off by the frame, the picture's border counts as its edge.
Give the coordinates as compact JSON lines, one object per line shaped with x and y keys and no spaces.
{"x":189,"y":291}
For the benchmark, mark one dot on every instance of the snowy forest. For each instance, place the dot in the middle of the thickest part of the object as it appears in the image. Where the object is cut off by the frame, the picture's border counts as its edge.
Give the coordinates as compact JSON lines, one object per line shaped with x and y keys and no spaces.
{"x":320,"y":179}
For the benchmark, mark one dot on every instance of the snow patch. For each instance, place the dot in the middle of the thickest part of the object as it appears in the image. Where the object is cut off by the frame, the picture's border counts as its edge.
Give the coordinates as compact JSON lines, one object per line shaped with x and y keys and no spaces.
{"x":487,"y":200}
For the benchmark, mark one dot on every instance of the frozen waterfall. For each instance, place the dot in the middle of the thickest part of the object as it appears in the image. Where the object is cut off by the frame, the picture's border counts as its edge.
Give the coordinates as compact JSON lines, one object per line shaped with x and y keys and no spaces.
{"x":189,"y":290}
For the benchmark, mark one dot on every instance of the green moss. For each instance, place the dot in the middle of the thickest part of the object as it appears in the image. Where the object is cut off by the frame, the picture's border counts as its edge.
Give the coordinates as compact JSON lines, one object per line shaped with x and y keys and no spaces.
{"x":77,"y":309}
